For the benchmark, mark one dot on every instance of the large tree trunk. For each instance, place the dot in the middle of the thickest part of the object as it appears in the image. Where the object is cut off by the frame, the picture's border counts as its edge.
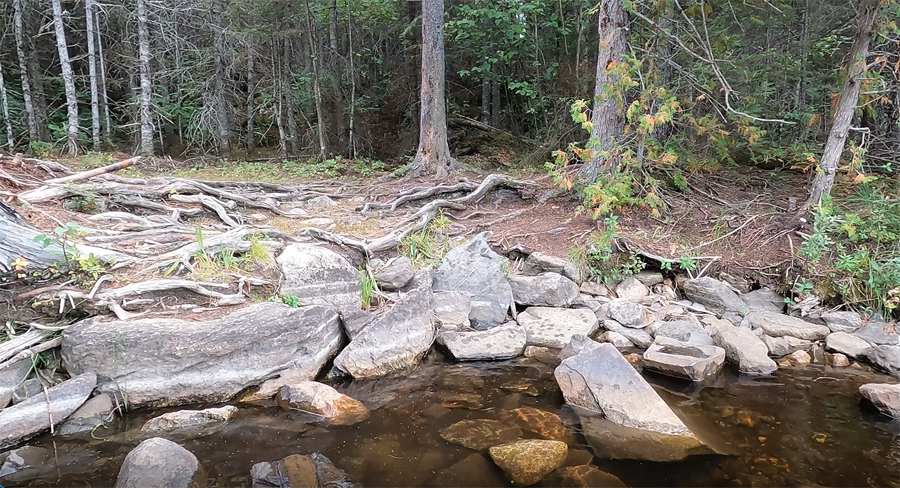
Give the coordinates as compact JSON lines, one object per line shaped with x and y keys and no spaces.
{"x":68,"y":79}
{"x":433,"y":154}
{"x":336,"y":69}
{"x":4,"y":102}
{"x":606,"y":117}
{"x":219,"y":99}
{"x":146,"y":94}
{"x":104,"y":100}
{"x":92,"y":70}
{"x":34,"y":132}
{"x":843,"y":114}
{"x":317,"y":89}
{"x":250,"y":137}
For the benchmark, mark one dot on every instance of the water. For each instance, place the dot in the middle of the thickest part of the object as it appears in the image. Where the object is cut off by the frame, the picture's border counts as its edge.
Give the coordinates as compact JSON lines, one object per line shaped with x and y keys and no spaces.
{"x":800,"y":427}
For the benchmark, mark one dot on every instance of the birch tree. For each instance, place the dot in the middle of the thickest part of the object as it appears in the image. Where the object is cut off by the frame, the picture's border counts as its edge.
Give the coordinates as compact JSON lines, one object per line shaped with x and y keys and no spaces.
{"x":68,"y":79}
{"x":92,"y":70}
{"x":146,"y":93}
{"x":4,"y":102}
{"x":317,"y":89}
{"x":34,"y":132}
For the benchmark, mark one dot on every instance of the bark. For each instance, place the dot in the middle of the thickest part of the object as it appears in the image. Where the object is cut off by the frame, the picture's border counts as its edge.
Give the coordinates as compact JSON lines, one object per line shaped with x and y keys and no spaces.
{"x":486,"y":100}
{"x":606,"y":115}
{"x":317,"y":89}
{"x":336,"y":69}
{"x":278,"y":90}
{"x":433,"y":154}
{"x":846,"y":106}
{"x":250,"y":140}
{"x":92,"y":70}
{"x":664,"y":53}
{"x":4,"y":102}
{"x":104,"y":100}
{"x":34,"y":132}
{"x":352,"y":133}
{"x":68,"y":79}
{"x":146,"y":88}
{"x":221,"y":108}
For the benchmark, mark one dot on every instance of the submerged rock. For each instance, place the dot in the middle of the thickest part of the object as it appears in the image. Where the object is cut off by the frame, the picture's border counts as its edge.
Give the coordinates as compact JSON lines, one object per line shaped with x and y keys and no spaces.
{"x":503,"y":342}
{"x":715,"y":295}
{"x":321,"y":399}
{"x":554,"y":327}
{"x":476,"y":269}
{"x":480,"y":433}
{"x":395,"y":274}
{"x":527,"y":461}
{"x":777,"y":325}
{"x":29,"y":464}
{"x":300,"y":471}
{"x":475,"y":471}
{"x":96,"y":411}
{"x":886,"y":398}
{"x":743,"y":348}
{"x":190,"y":420}
{"x":582,"y":476}
{"x":319,"y":276}
{"x":546,"y":289}
{"x":33,"y":416}
{"x":681,"y":359}
{"x":610,"y":440}
{"x":160,"y":462}
{"x":629,"y":314}
{"x":541,"y":422}
{"x":848,"y":344}
{"x":538,"y":262}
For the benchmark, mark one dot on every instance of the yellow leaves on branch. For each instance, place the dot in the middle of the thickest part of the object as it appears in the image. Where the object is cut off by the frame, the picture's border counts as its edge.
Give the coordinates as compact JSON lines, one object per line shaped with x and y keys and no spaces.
{"x":19,"y":265}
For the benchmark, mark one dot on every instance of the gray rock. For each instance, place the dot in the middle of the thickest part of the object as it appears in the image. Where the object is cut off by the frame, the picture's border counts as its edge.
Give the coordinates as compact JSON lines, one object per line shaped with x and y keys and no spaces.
{"x":165,"y":361}
{"x":300,"y":471}
{"x":543,"y":290}
{"x":554,"y":327}
{"x":538,"y":262}
{"x":96,"y":411}
{"x":639,"y":337}
{"x":355,"y":321}
{"x":11,"y":378}
{"x":610,"y":440}
{"x":629,"y":314}
{"x":184,"y":421}
{"x":320,"y":201}
{"x":632,"y":289}
{"x":318,"y":276}
{"x":615,"y":339}
{"x":885,"y":357}
{"x":701,"y":338}
{"x":847,"y":344}
{"x":395,"y":341}
{"x":582,"y":476}
{"x":599,"y":378}
{"x":594,"y":289}
{"x":743,"y":348}
{"x":34,"y":465}
{"x":578,"y":343}
{"x":480,"y":434}
{"x":764,"y":300}
{"x":451,"y":309}
{"x":319,"y":222}
{"x":27,"y":389}
{"x":476,"y":269}
{"x":31,"y":417}
{"x":714,"y":295}
{"x":778,"y":346}
{"x":846,"y":321}
{"x":395,"y":274}
{"x":680,"y":330}
{"x":322,"y":400}
{"x":885,"y":397}
{"x":503,"y":342}
{"x":650,"y":278}
{"x":161,"y":463}
{"x":682,"y":359}
{"x":777,"y":325}
{"x":878,"y":334}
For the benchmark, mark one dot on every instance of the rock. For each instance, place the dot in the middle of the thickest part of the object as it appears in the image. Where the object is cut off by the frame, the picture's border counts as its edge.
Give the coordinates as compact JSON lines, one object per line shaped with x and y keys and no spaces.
{"x":846,"y":321}
{"x":546,"y":290}
{"x":470,"y":401}
{"x":680,"y":330}
{"x":165,"y":361}
{"x":29,"y":464}
{"x":27,"y":389}
{"x":714,"y":295}
{"x":26,"y":419}
{"x":878,"y":334}
{"x":764,"y":300}
{"x":554,"y":327}
{"x":300,"y":471}
{"x":318,"y":276}
{"x":96,"y":411}
{"x":649,"y":278}
{"x":355,"y":321}
{"x":800,"y":357}
{"x":159,"y":462}
{"x":323,"y":400}
{"x":578,"y":343}
{"x":477,"y":270}
{"x":533,"y":351}
{"x":599,"y":378}
{"x":480,"y":433}
{"x":395,"y":341}
{"x":583,"y":476}
{"x":395,"y":274}
{"x":639,"y":337}
{"x":615,"y":339}
{"x":538,"y":262}
{"x":320,"y":201}
{"x":777,"y":325}
{"x":475,"y":471}
{"x":526,"y":462}
{"x":631,"y":289}
{"x":681,"y":359}
{"x":577,"y":457}
{"x":848,"y":344}
{"x":629,"y":314}
{"x":701,"y":338}
{"x":743,"y":348}
{"x":503,"y":342}
{"x":885,"y":357}
{"x":610,"y":440}
{"x":189,"y":420}
{"x":594,"y":289}
{"x":838,"y":360}
{"x":11,"y":378}
{"x":319,"y":223}
{"x":545,"y":424}
{"x":886,"y":398}
{"x":451,"y":309}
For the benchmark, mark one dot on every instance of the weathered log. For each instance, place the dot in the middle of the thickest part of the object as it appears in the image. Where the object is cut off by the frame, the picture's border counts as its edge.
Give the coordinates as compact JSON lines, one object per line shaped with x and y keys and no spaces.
{"x":94,"y":172}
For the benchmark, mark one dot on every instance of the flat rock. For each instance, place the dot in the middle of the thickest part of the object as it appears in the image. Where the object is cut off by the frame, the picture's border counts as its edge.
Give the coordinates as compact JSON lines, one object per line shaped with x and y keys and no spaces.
{"x":777,"y":325}
{"x":845,"y":321}
{"x":189,"y":420}
{"x":631,"y":289}
{"x":321,"y":399}
{"x":159,"y":462}
{"x":680,"y":330}
{"x":320,"y":201}
{"x":629,"y":314}
{"x":31,"y":417}
{"x":355,"y":321}
{"x":506,"y":341}
{"x":610,"y":440}
{"x":554,"y":327}
{"x":848,"y":344}
{"x":395,"y":274}
{"x":583,"y":476}
{"x":27,"y":389}
{"x":885,"y":357}
{"x":166,"y":361}
{"x":594,"y":289}
{"x":778,"y":346}
{"x":526,"y":462}
{"x":886,"y":398}
{"x":451,"y":309}
{"x":615,"y":339}
{"x":639,"y":337}
{"x":650,"y":278}
{"x":878,"y":334}
{"x":764,"y":300}
{"x":541,"y":422}
{"x":538,"y":262}
{"x":11,"y":378}
{"x":32,"y":465}
{"x":701,"y":338}
{"x":300,"y":471}
{"x":318,"y":222}
{"x":715,"y":295}
{"x":545,"y":290}
{"x":476,"y":269}
{"x":695,"y":362}
{"x":839,"y":360}
{"x":319,"y":276}
{"x":480,"y":434}
{"x":474,"y":471}
{"x":96,"y":411}
{"x":743,"y":348}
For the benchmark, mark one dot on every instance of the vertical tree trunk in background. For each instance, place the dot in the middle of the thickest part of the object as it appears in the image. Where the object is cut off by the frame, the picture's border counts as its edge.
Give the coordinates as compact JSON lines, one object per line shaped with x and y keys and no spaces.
{"x":317,"y":88}
{"x":277,"y":90}
{"x":664,"y":48}
{"x":433,"y":154}
{"x":92,"y":70}
{"x":221,"y":106}
{"x":104,"y":97}
{"x":336,"y":69}
{"x":4,"y":103}
{"x":606,"y":116}
{"x":68,"y":79}
{"x":34,"y":132}
{"x":250,"y":138}
{"x":293,"y":141}
{"x":486,"y":100}
{"x":351,"y":142}
{"x":146,"y":94}
{"x":846,"y":106}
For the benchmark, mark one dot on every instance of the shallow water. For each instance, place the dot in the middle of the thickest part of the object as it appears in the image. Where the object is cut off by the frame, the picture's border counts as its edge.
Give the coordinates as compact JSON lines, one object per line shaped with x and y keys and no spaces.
{"x":800,"y":427}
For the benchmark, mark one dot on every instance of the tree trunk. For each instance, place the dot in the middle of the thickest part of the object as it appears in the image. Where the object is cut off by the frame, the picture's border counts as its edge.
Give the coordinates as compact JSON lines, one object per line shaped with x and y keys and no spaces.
{"x":92,"y":69}
{"x":317,"y":89}
{"x":351,"y":142}
{"x":34,"y":132}
{"x":486,"y":100}
{"x":104,"y":100}
{"x":606,"y":115}
{"x":221,"y":106}
{"x":4,"y":102}
{"x":146,"y":88}
{"x":250,"y":139}
{"x":433,"y":154}
{"x":68,"y":79}
{"x":843,"y":114}
{"x":664,"y":52}
{"x":336,"y":69}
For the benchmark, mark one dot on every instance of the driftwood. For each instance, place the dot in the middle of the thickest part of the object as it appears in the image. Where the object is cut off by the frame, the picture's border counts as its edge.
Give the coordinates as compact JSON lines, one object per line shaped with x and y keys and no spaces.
{"x":94,"y":172}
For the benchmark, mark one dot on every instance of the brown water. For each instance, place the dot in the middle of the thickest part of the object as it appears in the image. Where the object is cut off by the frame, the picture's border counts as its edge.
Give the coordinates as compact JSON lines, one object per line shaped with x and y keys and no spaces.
{"x":800,"y":427}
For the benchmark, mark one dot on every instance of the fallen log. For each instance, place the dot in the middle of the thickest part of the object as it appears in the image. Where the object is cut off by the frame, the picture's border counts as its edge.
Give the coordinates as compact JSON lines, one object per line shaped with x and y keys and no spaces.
{"x":94,"y":172}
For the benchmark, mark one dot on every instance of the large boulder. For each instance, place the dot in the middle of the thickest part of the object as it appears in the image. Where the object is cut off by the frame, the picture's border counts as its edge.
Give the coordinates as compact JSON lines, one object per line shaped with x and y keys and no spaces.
{"x":506,"y":341}
{"x":782,"y":346}
{"x":395,"y":341}
{"x":878,"y":333}
{"x":885,"y":357}
{"x":11,"y":378}
{"x":632,"y":289}
{"x":323,"y":400}
{"x":629,"y":314}
{"x":300,"y":471}
{"x":554,"y":327}
{"x":319,"y":276}
{"x":527,"y":461}
{"x":160,"y":462}
{"x":395,"y":274}
{"x":538,"y":262}
{"x":610,"y":440}
{"x":695,"y":362}
{"x":599,"y":378}
{"x":743,"y":348}
{"x":845,"y":321}
{"x":886,"y":398}
{"x":847,"y":344}
{"x":36,"y":414}
{"x":678,"y":329}
{"x":165,"y":361}
{"x":715,"y":295}
{"x":476,"y":269}
{"x":764,"y":300}
{"x":546,"y":290}
{"x":778,"y":325}
{"x":190,"y":421}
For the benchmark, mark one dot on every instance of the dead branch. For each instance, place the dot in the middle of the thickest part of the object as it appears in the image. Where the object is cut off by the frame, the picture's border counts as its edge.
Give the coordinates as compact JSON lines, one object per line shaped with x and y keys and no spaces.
{"x":94,"y":172}
{"x":19,"y":343}
{"x":211,"y":203}
{"x":31,"y":352}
